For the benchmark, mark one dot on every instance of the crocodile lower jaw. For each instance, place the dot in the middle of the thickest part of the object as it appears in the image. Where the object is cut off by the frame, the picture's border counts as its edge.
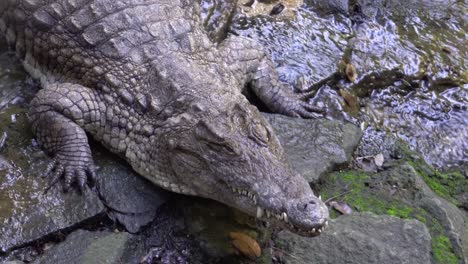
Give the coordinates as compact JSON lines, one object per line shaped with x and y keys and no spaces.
{"x":281,"y":217}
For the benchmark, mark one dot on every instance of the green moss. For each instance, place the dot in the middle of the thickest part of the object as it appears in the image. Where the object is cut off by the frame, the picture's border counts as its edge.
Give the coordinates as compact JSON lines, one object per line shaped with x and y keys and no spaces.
{"x":400,"y":211}
{"x":420,"y":218}
{"x":352,"y":187}
{"x":442,"y":250}
{"x":447,"y":185}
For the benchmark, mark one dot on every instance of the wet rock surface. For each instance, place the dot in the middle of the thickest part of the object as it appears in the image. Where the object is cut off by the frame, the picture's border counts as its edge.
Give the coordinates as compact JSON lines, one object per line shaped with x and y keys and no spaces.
{"x":361,"y":238}
{"x":409,"y":59}
{"x":315,"y":147}
{"x":27,"y":214}
{"x":88,"y":247}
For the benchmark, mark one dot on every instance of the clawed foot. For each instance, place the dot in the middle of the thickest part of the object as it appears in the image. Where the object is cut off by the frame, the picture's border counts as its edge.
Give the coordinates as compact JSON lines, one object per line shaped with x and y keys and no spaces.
{"x":83,"y":175}
{"x":297,"y":106}
{"x":306,"y":110}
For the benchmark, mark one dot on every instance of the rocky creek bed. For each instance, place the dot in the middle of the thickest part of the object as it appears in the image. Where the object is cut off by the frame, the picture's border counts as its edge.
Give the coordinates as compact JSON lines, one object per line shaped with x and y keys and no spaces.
{"x":395,"y":150}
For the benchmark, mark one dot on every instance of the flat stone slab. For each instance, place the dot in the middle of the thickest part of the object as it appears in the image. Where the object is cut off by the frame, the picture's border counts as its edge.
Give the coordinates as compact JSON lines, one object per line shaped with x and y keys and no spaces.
{"x":314,"y":147}
{"x":361,"y":238}
{"x":86,"y":247}
{"x":132,"y":200}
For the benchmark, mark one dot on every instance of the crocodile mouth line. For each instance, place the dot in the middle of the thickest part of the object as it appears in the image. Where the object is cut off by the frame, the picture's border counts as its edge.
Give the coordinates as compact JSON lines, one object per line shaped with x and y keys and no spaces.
{"x":282,"y":217}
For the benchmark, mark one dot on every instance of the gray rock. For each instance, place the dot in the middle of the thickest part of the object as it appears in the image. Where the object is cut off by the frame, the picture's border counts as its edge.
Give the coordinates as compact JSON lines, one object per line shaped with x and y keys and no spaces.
{"x":373,"y":143}
{"x":361,"y":238}
{"x":448,"y":215}
{"x":168,"y":238}
{"x":84,"y":247}
{"x":132,"y":200}
{"x":26,"y":213}
{"x":465,"y":242}
{"x":400,"y":184}
{"x":315,"y":147}
{"x":329,"y":6}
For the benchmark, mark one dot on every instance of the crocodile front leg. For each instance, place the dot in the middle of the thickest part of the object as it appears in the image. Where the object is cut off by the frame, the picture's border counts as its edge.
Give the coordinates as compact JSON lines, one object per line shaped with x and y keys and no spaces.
{"x":58,"y":115}
{"x":246,"y":57}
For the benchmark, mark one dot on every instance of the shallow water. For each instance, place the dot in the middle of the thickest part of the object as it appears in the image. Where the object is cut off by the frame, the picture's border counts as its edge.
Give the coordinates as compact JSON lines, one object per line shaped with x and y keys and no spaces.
{"x":411,"y":65}
{"x":21,"y":160}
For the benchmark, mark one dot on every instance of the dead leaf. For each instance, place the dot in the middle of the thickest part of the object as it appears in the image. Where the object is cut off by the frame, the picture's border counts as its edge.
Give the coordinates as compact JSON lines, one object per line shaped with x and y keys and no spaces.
{"x":446,"y":49}
{"x":351,"y":72}
{"x":342,"y":66}
{"x":246,"y":245}
{"x":379,"y":160}
{"x":341,"y":207}
{"x":351,"y":101}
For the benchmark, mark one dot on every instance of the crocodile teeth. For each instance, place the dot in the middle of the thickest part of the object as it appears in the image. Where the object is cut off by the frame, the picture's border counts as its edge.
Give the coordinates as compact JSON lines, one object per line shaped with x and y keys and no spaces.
{"x":319,"y":230}
{"x":285,"y":217}
{"x":259,"y":212}
{"x":326,"y":223}
{"x":268,"y":213}
{"x":255,"y":199}
{"x":320,"y":197}
{"x":313,"y":230}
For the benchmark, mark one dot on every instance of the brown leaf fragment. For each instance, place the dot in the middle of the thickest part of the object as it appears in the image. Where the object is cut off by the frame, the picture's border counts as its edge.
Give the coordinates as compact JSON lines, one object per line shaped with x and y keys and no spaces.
{"x":342,"y":66}
{"x":351,"y":72}
{"x":245,"y":245}
{"x":341,"y":207}
{"x":352,"y":102}
{"x":447,"y":49}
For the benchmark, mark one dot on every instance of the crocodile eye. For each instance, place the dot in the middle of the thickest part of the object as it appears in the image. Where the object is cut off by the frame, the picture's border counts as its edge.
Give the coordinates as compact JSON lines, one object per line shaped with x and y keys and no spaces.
{"x":260,"y":133}
{"x":224,"y":147}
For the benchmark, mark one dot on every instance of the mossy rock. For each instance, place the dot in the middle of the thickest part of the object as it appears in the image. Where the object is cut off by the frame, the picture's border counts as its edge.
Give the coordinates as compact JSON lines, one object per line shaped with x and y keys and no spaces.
{"x":399,"y":191}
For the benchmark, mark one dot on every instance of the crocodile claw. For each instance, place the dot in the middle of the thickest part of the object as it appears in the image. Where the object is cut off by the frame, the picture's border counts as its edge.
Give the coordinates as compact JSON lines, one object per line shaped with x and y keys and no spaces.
{"x":298,"y":108}
{"x":81,"y":175}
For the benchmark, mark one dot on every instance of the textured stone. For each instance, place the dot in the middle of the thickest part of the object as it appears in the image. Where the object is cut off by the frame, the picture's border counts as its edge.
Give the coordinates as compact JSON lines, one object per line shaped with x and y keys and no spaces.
{"x":132,"y":200}
{"x":361,"y":238}
{"x":315,"y":147}
{"x":84,"y":247}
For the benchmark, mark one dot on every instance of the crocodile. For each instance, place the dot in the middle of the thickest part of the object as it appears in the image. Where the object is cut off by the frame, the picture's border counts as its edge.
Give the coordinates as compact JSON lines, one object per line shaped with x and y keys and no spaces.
{"x":143,"y":78}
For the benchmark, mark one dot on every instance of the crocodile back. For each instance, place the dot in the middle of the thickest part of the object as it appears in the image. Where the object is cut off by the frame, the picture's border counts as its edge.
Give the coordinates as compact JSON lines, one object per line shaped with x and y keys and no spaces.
{"x":86,"y":40}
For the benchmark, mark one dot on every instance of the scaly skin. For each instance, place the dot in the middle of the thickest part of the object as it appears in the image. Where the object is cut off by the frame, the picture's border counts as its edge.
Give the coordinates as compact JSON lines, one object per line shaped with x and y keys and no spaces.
{"x":142,"y":77}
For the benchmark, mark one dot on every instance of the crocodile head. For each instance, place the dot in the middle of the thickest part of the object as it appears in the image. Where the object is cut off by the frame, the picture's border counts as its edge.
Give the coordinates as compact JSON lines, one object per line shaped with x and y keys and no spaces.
{"x":239,"y":161}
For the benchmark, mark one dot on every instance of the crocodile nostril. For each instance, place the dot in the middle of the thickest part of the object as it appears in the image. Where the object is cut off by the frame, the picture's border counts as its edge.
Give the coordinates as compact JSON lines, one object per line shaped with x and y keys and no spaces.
{"x":307,"y":204}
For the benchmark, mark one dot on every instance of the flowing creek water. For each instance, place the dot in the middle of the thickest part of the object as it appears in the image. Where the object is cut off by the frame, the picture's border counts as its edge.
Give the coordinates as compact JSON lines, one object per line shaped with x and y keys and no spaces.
{"x":411,"y":62}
